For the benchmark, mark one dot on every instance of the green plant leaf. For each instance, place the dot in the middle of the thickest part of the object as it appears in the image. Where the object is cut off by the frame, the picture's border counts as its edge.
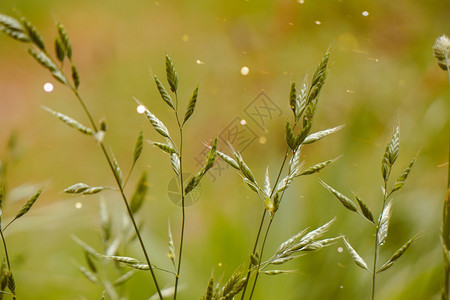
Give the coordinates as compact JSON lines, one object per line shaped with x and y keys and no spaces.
{"x":191,"y":106}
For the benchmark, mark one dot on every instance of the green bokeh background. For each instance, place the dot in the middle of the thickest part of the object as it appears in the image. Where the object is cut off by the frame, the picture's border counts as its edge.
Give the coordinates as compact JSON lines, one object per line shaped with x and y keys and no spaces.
{"x":383,"y":74}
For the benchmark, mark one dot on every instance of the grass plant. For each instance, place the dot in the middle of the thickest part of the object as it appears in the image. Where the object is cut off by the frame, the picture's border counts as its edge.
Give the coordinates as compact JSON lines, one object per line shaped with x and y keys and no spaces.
{"x":441,"y":50}
{"x":381,"y":223}
{"x":111,"y":266}
{"x":23,"y":31}
{"x":8,"y":159}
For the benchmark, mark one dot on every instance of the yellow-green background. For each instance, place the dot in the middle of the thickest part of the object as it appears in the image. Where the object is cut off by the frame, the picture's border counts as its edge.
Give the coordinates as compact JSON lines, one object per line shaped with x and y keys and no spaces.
{"x":383,"y":74}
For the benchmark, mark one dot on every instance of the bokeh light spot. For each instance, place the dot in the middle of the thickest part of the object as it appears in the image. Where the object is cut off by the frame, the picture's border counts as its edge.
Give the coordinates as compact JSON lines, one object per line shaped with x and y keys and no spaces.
{"x":48,"y":87}
{"x":245,"y":70}
{"x":140,"y":109}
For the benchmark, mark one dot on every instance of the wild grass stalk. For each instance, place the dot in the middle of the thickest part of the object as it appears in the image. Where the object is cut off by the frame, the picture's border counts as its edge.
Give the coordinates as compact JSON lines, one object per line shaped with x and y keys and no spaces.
{"x":175,"y":151}
{"x":22,"y":30}
{"x":441,"y":49}
{"x":6,"y":274}
{"x":381,"y":224}
{"x":303,"y":105}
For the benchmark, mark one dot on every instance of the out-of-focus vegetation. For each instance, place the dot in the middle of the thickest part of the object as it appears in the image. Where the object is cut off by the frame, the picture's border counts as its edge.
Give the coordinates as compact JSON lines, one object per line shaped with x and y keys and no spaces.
{"x":383,"y":74}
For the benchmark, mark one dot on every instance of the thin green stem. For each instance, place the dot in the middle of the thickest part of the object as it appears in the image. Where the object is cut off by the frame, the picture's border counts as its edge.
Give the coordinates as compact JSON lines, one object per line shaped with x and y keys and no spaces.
{"x":260,"y":258}
{"x":183,"y":196}
{"x":8,"y":264}
{"x":445,"y":234}
{"x":122,"y":193}
{"x":377,"y":244}
{"x":249,"y":271}
{"x":261,"y":224}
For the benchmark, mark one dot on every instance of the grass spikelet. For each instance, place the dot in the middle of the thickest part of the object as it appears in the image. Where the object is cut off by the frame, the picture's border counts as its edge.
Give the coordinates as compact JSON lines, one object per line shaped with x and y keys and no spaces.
{"x":27,"y":206}
{"x":47,"y":63}
{"x":171,"y":253}
{"x":355,"y":256}
{"x":314,"y":137}
{"x":156,"y":123}
{"x":384,"y":223}
{"x":172,"y":77}
{"x":398,"y":254}
{"x":84,"y":189}
{"x":278,"y":272}
{"x":165,"y":147}
{"x":75,"y":75}
{"x":138,"y":147}
{"x":139,"y":193}
{"x":390,"y":155}
{"x":71,"y":122}
{"x":33,"y":34}
{"x":210,"y":289}
{"x":65,"y":40}
{"x":124,"y":278}
{"x":343,"y":199}
{"x":60,"y":50}
{"x":175,"y":162}
{"x":89,"y":275}
{"x":228,"y":160}
{"x":191,"y":106}
{"x":366,"y":212}
{"x":293,"y":102}
{"x":441,"y":49}
{"x":13,"y":28}
{"x":162,"y":91}
{"x":316,"y":168}
{"x":267,"y":188}
{"x":85,"y":246}
{"x":400,"y":182}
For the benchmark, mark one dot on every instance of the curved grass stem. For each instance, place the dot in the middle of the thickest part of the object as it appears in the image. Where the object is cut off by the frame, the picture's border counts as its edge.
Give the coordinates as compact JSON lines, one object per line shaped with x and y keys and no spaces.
{"x":183,"y":210}
{"x":122,"y":193}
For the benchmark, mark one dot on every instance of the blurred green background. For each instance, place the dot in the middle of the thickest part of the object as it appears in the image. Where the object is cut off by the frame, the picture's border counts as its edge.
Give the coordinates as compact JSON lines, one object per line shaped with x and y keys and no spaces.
{"x":383,"y":74}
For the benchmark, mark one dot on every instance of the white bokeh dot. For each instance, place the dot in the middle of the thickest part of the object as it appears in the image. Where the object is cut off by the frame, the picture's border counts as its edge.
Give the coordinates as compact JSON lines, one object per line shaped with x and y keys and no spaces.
{"x":140,"y":109}
{"x":245,"y":70}
{"x":48,"y":87}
